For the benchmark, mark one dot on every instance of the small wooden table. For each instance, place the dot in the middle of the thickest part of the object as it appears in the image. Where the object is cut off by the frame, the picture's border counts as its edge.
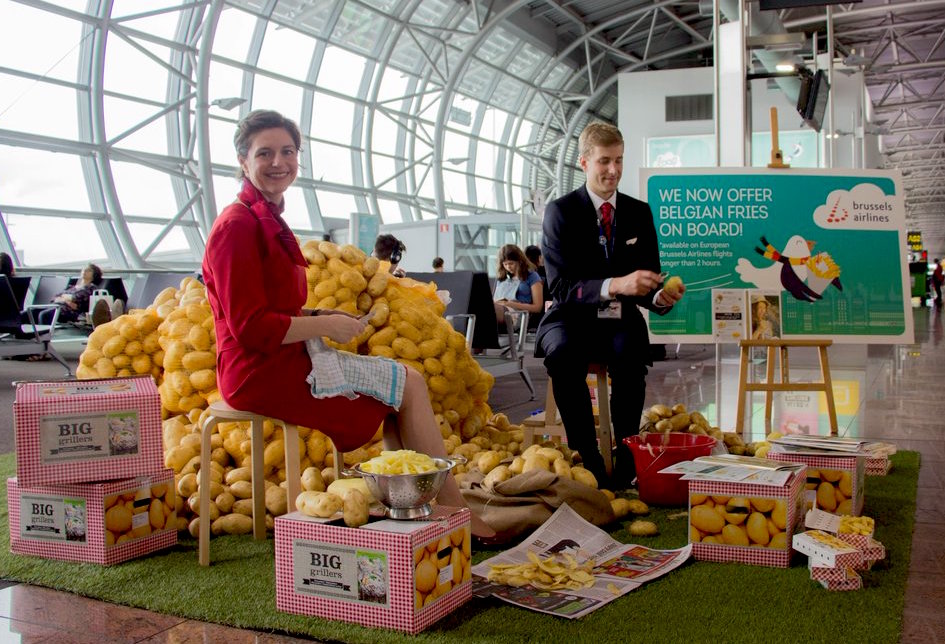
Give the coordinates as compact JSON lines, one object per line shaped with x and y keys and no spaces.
{"x":779,"y":348}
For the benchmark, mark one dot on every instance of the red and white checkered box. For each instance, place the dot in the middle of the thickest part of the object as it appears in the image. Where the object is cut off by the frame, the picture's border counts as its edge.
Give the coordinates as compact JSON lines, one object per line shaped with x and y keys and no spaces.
{"x":853,"y":474}
{"x":871,"y":549}
{"x":826,"y":550}
{"x":842,"y":578}
{"x":878,"y":466}
{"x":103,"y":523}
{"x":79,"y":431}
{"x":403,"y":575}
{"x":789,"y":498}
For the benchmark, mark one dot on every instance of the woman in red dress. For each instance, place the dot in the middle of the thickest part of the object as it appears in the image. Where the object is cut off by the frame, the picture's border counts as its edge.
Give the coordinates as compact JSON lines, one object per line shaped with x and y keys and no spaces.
{"x":255,"y":277}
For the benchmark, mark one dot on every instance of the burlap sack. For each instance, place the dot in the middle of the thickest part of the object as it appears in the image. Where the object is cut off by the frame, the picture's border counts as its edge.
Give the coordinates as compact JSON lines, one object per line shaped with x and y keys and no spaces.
{"x":524,"y":502}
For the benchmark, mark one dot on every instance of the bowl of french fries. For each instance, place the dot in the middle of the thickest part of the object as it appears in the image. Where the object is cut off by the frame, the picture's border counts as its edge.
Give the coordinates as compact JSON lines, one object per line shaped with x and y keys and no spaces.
{"x":405,"y":481}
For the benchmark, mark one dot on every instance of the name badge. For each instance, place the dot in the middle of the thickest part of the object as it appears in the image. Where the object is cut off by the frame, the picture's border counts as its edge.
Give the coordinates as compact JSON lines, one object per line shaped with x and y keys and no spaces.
{"x":609,"y":310}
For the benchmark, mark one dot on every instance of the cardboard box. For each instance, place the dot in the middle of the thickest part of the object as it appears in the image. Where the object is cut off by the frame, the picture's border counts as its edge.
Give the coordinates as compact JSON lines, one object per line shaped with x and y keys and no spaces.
{"x":878,"y":466}
{"x":836,"y":578}
{"x":849,"y":484}
{"x":403,"y":575}
{"x":826,"y":550}
{"x":78,"y":431}
{"x":761,"y":500}
{"x":103,"y":523}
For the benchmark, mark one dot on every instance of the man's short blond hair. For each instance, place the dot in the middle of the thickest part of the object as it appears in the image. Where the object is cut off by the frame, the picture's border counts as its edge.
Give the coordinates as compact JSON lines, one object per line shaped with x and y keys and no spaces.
{"x":598,"y":133}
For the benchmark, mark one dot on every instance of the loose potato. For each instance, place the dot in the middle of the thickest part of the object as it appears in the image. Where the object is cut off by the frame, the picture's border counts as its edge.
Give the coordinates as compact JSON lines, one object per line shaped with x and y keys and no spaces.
{"x":232,"y":524}
{"x":312,"y":480}
{"x":318,"y":504}
{"x":276,"y":501}
{"x":355,"y":508}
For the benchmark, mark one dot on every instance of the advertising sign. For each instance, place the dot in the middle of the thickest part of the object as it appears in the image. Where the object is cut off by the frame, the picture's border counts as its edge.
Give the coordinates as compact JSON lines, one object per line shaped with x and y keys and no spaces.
{"x":827,"y":245}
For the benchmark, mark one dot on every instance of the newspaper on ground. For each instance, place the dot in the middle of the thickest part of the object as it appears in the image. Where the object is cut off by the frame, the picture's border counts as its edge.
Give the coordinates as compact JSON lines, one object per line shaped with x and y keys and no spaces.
{"x":564,"y":546}
{"x":734,"y":468}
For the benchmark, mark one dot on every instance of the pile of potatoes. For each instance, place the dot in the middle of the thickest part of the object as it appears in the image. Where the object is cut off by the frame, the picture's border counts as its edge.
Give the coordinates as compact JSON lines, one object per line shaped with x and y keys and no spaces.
{"x":739,"y":521}
{"x":676,"y":418}
{"x":158,"y":501}
{"x":441,"y":565}
{"x":176,"y":336}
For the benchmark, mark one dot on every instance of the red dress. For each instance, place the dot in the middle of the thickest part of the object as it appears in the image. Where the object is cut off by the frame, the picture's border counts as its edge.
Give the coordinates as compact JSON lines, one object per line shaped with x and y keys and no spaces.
{"x":255,"y":284}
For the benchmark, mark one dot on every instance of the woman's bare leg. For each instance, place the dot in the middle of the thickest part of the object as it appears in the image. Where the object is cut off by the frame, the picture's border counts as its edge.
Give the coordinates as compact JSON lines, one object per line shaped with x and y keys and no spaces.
{"x":416,"y":429}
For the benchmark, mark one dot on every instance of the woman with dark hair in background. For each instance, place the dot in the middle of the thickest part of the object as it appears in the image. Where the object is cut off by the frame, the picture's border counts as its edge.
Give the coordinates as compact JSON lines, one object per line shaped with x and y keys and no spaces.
{"x":517,"y":284}
{"x":263,"y":331}
{"x":6,"y":265}
{"x":388,"y":248}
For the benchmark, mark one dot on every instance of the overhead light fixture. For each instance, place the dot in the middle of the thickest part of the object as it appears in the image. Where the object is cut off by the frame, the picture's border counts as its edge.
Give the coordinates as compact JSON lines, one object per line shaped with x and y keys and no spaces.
{"x":784,"y":67}
{"x":228,"y":103}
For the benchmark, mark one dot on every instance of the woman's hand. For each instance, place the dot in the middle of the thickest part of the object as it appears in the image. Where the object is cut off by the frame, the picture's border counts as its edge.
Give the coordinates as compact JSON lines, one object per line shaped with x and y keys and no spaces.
{"x":341,"y":328}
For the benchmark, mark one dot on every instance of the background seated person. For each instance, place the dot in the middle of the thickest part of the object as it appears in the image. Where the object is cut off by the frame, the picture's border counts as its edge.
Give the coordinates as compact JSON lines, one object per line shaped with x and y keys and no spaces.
{"x":388,"y":248}
{"x":518,"y":285}
{"x":438,"y":265}
{"x":6,"y":265}
{"x":74,"y":301}
{"x":533,"y":253}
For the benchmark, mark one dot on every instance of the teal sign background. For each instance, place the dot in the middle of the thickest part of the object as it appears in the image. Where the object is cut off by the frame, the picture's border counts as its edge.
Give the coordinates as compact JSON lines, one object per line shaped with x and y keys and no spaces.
{"x":710,"y":222}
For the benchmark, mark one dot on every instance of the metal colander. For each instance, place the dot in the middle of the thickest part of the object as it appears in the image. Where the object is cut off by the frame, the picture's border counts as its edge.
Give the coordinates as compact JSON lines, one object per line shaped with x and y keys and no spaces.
{"x":408,"y":496}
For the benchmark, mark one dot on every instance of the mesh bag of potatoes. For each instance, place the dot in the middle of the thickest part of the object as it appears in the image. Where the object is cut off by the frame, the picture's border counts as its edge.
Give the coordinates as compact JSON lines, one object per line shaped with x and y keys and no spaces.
{"x":177,"y":335}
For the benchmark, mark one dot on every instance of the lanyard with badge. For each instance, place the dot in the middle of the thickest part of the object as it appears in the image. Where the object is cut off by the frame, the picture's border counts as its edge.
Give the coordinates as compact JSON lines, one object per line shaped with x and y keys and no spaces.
{"x":608,"y":309}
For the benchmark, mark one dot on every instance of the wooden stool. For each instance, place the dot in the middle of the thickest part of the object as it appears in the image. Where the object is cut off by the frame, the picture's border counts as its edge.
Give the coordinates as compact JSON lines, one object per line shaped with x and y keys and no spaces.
{"x":546,"y":423}
{"x":779,"y":348}
{"x":221,"y":412}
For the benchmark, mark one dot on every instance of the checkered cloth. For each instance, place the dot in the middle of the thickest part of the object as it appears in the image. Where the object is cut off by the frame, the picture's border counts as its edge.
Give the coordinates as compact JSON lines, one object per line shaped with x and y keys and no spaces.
{"x":339,"y":373}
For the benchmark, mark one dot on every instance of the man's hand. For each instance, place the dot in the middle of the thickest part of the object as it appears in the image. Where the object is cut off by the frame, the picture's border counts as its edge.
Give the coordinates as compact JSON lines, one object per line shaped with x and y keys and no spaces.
{"x":636,"y":283}
{"x":669,"y":298}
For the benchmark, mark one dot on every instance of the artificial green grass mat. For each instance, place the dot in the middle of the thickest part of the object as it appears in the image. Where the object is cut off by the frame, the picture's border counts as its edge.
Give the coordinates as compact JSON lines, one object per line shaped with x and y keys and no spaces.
{"x":700,"y":602}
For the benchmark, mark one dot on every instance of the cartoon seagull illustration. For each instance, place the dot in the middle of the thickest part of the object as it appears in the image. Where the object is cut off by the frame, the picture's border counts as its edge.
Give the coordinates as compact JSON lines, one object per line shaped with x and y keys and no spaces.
{"x":793,"y":260}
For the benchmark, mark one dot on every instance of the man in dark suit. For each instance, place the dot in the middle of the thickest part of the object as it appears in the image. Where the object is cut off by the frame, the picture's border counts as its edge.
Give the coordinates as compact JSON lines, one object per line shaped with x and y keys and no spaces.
{"x":602,"y":261}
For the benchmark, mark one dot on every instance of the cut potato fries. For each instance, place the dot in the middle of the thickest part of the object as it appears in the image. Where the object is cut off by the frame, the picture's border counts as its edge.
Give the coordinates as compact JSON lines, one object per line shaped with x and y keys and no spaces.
{"x":402,"y":461}
{"x":552,"y":573}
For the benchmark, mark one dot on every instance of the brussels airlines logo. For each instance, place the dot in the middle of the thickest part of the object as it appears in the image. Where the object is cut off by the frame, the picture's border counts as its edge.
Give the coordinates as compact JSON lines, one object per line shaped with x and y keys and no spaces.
{"x":864,"y":207}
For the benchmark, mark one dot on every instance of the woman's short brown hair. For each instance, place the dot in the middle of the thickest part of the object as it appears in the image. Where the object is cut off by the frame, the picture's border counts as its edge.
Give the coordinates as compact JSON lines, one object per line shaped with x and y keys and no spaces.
{"x":257,"y":121}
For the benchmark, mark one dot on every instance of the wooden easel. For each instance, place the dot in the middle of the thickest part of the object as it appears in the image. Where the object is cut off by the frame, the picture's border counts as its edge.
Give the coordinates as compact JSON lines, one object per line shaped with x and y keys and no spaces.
{"x":779,"y":348}
{"x":777,"y":158}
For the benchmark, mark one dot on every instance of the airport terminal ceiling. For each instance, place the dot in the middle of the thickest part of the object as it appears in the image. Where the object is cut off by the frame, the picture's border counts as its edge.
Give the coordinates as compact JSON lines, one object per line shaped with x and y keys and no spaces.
{"x":116,"y":118}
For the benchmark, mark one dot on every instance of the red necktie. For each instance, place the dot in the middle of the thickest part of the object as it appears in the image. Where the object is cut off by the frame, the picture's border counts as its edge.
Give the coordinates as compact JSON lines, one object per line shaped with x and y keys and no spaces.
{"x":606,"y":218}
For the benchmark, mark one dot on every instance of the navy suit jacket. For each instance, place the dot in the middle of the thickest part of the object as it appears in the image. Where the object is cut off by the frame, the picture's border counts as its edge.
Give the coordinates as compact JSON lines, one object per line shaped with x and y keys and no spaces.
{"x":576,"y":264}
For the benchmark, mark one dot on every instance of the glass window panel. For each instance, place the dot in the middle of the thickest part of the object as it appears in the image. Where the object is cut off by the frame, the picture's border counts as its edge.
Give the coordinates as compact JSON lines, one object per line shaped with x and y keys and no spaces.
{"x":455,"y":146}
{"x":391,"y":212}
{"x":454,"y":186}
{"x":40,"y":179}
{"x":122,"y":116}
{"x":226,"y":81}
{"x":286,"y":52}
{"x":144,"y":235}
{"x":38,"y":108}
{"x":160,"y":24}
{"x":143,"y":191}
{"x":221,"y":142}
{"x":55,"y":54}
{"x":225,"y":189}
{"x":234,"y":33}
{"x":332,"y":163}
{"x":129,"y":71}
{"x":384,"y":134}
{"x":341,"y":71}
{"x":271,"y":94}
{"x":336,"y":204}
{"x":393,"y":86}
{"x":384,"y":169}
{"x":332,"y":118}
{"x":46,"y":241}
{"x":485,"y":193}
{"x":296,"y":211}
{"x":486,"y":157}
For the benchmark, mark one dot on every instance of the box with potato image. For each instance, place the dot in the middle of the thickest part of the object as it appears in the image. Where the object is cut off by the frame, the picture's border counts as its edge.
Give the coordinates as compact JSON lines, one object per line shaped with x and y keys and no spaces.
{"x":83,"y":431}
{"x":745,"y":522}
{"x":834,"y":484}
{"x":103,"y":523}
{"x":403,"y":575}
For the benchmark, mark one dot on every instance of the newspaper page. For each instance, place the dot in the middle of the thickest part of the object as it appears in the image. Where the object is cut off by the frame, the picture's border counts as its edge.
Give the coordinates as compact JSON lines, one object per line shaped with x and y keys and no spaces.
{"x":617,"y":568}
{"x":825,"y":446}
{"x":732,"y":468}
